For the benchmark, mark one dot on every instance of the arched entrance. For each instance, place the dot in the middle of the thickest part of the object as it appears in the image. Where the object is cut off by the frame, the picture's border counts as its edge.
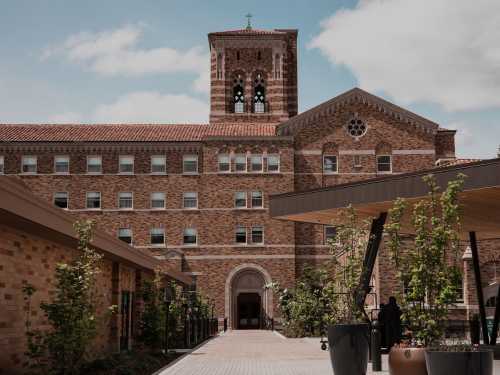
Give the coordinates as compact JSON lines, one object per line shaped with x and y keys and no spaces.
{"x":248,"y":302}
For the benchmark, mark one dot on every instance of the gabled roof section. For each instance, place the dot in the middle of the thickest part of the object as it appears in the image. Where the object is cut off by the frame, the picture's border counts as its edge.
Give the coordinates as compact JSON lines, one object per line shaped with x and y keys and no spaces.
{"x":131,"y":132}
{"x":356,"y":95}
{"x":252,"y":31}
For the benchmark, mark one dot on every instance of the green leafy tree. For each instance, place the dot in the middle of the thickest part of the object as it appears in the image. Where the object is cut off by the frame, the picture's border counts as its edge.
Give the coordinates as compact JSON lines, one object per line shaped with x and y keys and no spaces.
{"x":71,"y":315}
{"x":430,"y":266}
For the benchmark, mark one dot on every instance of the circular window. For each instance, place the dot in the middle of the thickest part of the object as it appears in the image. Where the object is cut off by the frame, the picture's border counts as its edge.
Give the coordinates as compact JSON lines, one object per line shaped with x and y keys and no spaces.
{"x":356,"y":127}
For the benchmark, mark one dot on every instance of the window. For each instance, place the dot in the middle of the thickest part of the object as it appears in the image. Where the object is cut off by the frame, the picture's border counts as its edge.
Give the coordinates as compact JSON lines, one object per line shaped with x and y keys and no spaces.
{"x":356,"y":127}
{"x":384,"y":163}
{"x":277,"y":66}
{"x":190,"y":164}
{"x":158,"y":164}
{"x":93,"y":200}
{"x":240,"y":235}
{"x":330,"y":164}
{"x":240,"y":199}
{"x":2,"y":165}
{"x":259,"y":95}
{"x":190,"y":236}
{"x":125,"y":201}
{"x":94,"y":164}
{"x":238,"y":94}
{"x":190,"y":200}
{"x":460,"y":291}
{"x":357,"y":161}
{"x":273,"y":163}
{"x":61,"y":164}
{"x":257,"y":235}
{"x":257,"y":201}
{"x":330,"y":233}
{"x":224,"y":163}
{"x":157,"y":236}
{"x":157,"y":201}
{"x":61,"y":199}
{"x":125,"y":234}
{"x":240,"y":163}
{"x":126,"y":165}
{"x":28,"y":164}
{"x":256,"y":163}
{"x":219,"y":66}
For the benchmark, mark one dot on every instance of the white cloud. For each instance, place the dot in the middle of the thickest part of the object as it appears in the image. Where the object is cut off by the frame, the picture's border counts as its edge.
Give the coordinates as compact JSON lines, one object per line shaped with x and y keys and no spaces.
{"x":115,"y":52}
{"x":442,"y":51}
{"x":152,"y":107}
{"x":65,"y":118}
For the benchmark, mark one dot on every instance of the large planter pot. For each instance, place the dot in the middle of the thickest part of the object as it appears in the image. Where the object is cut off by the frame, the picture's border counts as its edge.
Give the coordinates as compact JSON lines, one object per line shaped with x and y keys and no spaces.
{"x":407,"y":361}
{"x":459,"y":363}
{"x":349,"y":345}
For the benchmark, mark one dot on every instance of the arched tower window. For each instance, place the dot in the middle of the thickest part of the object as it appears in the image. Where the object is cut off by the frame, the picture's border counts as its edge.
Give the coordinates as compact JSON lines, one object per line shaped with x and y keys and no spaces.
{"x":238,"y":94}
{"x":259,"y":97}
{"x":219,"y":65}
{"x":277,"y":66}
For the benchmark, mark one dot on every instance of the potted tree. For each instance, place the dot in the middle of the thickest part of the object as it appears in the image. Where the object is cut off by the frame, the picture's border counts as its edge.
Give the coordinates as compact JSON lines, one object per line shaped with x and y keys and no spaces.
{"x":348,"y":335}
{"x":428,"y":266}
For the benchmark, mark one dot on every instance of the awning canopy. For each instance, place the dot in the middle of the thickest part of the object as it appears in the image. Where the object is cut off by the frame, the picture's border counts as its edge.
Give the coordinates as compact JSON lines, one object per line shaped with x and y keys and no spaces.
{"x":480,"y":199}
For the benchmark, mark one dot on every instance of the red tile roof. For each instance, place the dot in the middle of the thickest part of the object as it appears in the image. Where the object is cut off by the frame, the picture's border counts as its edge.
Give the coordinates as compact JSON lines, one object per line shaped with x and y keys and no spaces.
{"x":130,"y":132}
{"x":450,"y":162}
{"x":252,"y":32}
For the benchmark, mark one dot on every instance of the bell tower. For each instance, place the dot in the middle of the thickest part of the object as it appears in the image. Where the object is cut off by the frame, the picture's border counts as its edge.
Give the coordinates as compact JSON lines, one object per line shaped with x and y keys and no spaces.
{"x":253,"y":75}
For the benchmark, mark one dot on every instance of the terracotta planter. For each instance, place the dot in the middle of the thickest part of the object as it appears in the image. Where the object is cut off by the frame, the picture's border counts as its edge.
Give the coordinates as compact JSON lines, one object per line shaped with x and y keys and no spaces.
{"x":459,"y":363}
{"x":349,"y":348}
{"x":407,"y":361}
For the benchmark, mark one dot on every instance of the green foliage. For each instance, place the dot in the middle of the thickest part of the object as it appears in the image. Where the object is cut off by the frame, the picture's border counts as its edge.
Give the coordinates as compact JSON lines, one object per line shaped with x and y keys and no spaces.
{"x":71,"y":315}
{"x":348,"y":248}
{"x":308,"y":308}
{"x":430,"y":267}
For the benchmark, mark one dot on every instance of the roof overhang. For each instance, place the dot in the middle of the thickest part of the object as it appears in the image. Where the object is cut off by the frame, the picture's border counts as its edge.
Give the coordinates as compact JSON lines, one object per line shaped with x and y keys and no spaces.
{"x":21,"y":209}
{"x":480,"y":199}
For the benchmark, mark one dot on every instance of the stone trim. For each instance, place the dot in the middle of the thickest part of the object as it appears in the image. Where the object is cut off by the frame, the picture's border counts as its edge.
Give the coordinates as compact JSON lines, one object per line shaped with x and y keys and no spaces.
{"x":356,"y":152}
{"x":414,"y":152}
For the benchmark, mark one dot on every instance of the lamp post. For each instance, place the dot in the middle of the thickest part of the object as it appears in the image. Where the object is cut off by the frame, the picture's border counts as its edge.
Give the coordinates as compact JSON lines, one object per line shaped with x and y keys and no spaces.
{"x":167,"y":300}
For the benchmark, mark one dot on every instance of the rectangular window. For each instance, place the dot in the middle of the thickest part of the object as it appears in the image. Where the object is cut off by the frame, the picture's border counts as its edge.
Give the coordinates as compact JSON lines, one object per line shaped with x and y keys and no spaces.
{"x":258,"y":235}
{"x":241,"y":235}
{"x":240,"y":199}
{"x":190,"y":200}
{"x":224,"y":163}
{"x":256,"y":163}
{"x":240,"y":163}
{"x":126,"y":165}
{"x":190,"y":164}
{"x":157,"y":236}
{"x":94,"y":164}
{"x":384,"y":163}
{"x":61,"y":164}
{"x":125,"y":234}
{"x":157,"y":201}
{"x":330,"y":233}
{"x":28,"y":164}
{"x":125,"y":201}
{"x":158,"y":164}
{"x":257,"y":201}
{"x":273,"y":163}
{"x":93,"y":200}
{"x":357,"y":161}
{"x":190,"y":236}
{"x":61,"y":199}
{"x":2,"y":168}
{"x":330,"y":164}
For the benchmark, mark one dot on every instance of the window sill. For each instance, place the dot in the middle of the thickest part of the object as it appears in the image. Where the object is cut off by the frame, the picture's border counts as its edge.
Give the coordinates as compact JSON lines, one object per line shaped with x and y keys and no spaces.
{"x":189,"y":246}
{"x":387,"y":172}
{"x":158,"y":173}
{"x":93,"y":209}
{"x":190,"y":174}
{"x":125,"y":174}
{"x":190,"y":209}
{"x":29,"y":173}
{"x":158,"y":246}
{"x":330,"y":173}
{"x":94,"y":173}
{"x":61,"y":173}
{"x":126,"y":209}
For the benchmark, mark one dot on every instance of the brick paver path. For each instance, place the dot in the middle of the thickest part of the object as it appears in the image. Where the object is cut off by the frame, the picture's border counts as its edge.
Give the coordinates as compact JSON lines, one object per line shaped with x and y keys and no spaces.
{"x":254,"y":353}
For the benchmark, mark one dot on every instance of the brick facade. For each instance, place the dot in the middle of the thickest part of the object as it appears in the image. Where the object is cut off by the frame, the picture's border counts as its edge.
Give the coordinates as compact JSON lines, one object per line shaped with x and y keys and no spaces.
{"x":301,"y":141}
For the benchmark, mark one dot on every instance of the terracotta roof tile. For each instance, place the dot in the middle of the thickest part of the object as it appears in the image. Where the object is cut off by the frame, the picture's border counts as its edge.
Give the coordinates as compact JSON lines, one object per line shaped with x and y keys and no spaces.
{"x":130,"y":132}
{"x":250,"y":32}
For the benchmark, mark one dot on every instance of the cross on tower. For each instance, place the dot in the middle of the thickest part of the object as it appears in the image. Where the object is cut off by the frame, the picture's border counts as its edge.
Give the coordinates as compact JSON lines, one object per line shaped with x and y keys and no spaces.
{"x":249,"y":25}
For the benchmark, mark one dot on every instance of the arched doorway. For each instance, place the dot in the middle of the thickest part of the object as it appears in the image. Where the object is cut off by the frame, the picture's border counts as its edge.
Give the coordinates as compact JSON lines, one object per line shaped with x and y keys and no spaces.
{"x":248,"y":302}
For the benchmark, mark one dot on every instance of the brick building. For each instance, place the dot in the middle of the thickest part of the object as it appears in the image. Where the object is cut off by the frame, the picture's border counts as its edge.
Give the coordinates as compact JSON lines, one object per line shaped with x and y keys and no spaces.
{"x":196,"y":196}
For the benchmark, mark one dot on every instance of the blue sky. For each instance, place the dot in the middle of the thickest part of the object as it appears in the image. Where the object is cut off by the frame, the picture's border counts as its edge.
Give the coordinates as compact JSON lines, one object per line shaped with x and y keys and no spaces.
{"x":146,"y":61}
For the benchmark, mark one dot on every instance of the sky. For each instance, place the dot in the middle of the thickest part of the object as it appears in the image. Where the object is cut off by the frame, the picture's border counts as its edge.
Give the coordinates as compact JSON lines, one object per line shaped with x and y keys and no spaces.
{"x":119,"y":61}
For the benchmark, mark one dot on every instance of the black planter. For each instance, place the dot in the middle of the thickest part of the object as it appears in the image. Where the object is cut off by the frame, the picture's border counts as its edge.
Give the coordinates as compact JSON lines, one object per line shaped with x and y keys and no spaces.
{"x":459,"y":363}
{"x":349,"y":345}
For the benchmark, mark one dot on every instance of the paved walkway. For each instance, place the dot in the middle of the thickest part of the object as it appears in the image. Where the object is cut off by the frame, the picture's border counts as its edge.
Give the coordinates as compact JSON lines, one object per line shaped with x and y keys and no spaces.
{"x":255,"y":353}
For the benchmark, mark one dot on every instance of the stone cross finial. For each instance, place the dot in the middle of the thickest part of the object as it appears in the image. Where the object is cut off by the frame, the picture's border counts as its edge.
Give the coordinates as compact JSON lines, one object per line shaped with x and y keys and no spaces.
{"x":249,"y":25}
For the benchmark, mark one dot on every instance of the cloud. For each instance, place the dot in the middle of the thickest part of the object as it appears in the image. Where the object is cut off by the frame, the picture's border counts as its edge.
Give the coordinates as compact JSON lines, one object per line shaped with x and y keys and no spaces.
{"x":116,"y":53}
{"x":152,"y":107}
{"x":441,"y":51}
{"x":65,"y":118}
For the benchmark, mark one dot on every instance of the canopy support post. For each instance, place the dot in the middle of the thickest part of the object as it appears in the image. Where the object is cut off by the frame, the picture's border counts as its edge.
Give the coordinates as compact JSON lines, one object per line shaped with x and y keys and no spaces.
{"x":376,"y":231}
{"x":479,"y":286}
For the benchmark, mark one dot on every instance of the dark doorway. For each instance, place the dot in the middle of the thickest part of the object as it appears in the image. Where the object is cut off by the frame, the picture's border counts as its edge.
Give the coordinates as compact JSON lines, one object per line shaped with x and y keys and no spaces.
{"x":126,"y":323}
{"x":249,"y":311}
